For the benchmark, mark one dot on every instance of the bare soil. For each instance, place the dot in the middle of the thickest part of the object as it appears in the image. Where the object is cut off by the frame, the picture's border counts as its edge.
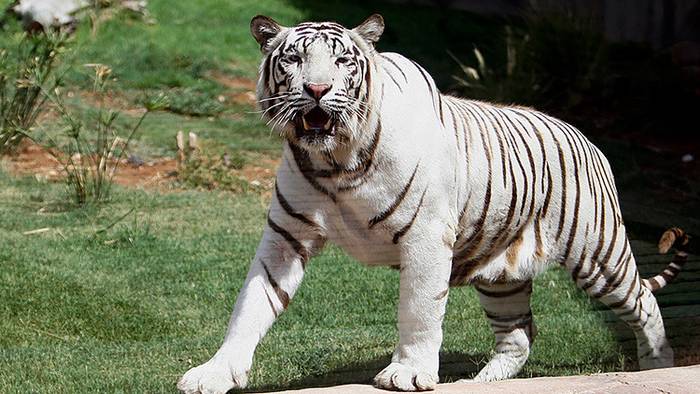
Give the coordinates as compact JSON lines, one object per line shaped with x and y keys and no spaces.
{"x":239,"y":90}
{"x":159,"y":173}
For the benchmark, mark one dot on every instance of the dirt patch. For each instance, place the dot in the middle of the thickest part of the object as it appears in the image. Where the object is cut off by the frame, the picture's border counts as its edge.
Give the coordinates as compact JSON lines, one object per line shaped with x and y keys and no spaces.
{"x":239,"y":90}
{"x":159,"y":173}
{"x":32,"y":159}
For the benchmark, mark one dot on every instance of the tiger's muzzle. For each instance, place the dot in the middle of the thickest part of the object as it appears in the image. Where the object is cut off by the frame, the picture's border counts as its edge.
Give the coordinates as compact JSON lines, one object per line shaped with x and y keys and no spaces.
{"x":317,"y":123}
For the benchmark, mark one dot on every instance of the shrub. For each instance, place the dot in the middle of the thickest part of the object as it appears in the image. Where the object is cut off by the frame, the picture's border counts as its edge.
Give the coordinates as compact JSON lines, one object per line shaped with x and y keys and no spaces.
{"x":90,"y":153}
{"x":27,"y":68}
{"x":552,"y":60}
{"x":201,"y":168}
{"x":191,"y":102}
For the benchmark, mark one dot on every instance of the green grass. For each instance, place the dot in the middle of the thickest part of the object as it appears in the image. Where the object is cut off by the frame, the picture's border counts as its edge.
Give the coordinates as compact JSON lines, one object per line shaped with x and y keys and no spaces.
{"x":131,"y":308}
{"x":190,"y":40}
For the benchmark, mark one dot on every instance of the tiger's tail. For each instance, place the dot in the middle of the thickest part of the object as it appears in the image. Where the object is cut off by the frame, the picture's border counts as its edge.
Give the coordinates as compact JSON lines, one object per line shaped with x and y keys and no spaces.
{"x":671,"y":238}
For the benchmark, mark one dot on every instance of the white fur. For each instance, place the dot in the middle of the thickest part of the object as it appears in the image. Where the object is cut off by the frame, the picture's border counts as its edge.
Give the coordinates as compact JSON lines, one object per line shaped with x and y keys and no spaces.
{"x":454,"y":168}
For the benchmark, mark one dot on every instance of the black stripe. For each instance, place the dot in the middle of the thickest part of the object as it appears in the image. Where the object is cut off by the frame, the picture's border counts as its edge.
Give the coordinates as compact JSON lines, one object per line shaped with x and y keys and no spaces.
{"x":281,"y":294}
{"x":394,"y":80}
{"x":548,"y":196}
{"x":541,"y":143}
{"x":290,"y":211}
{"x":503,"y":232}
{"x":531,"y":160}
{"x":272,"y":306}
{"x":366,"y":157}
{"x":613,"y":281}
{"x":430,"y":87}
{"x":395,"y":65}
{"x":654,"y":284}
{"x":473,"y":241}
{"x":454,"y":124}
{"x":475,"y":238}
{"x":562,"y":167}
{"x":574,"y":224}
{"x":296,"y":245}
{"x":399,"y":198}
{"x":514,"y":149}
{"x":615,"y":284}
{"x":405,"y":228}
{"x":506,"y":293}
{"x":524,"y":317}
{"x":427,"y":81}
{"x":497,"y":130}
{"x":306,"y":169}
{"x":616,"y":305}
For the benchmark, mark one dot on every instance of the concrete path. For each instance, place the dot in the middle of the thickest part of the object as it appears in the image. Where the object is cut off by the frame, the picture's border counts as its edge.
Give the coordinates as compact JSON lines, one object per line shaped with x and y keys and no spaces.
{"x":670,"y":380}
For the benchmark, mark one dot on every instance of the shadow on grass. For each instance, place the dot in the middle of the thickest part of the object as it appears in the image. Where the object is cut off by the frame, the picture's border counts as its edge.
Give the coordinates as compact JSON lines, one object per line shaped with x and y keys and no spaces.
{"x":453,"y":366}
{"x":679,"y":303}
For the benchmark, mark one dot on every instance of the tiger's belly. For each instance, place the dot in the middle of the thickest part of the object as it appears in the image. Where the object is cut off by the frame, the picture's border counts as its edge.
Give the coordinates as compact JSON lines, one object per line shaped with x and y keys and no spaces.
{"x":523,"y":259}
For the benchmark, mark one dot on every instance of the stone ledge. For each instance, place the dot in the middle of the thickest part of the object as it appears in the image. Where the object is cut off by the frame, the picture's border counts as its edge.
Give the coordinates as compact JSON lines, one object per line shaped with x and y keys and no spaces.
{"x":669,"y":380}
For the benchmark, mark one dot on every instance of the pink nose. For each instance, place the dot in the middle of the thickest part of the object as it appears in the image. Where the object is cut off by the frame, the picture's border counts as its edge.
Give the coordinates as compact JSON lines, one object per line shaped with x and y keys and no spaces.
{"x":316,"y":90}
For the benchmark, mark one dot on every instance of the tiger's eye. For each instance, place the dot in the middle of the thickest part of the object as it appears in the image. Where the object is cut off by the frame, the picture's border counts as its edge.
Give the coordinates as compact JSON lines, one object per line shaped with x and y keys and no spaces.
{"x":342,"y":60}
{"x":294,"y":59}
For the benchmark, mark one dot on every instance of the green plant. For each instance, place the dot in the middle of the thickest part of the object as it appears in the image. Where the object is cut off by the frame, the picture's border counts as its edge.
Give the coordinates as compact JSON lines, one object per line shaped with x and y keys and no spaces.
{"x":192,"y":102}
{"x":90,"y":153}
{"x":99,"y":11}
{"x":511,"y":83}
{"x":204,"y":171}
{"x":553,"y":60}
{"x":117,"y":233}
{"x":27,"y":67}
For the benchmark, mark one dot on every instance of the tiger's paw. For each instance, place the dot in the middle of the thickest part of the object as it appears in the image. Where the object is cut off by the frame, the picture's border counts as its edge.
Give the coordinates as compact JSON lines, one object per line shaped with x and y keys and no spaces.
{"x":401,"y":377}
{"x":213,"y":377}
{"x":500,"y":367}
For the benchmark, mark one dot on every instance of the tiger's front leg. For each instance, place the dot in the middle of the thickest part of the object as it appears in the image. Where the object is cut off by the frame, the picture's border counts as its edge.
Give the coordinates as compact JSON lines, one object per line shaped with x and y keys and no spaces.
{"x":424,"y":277}
{"x":273,"y":277}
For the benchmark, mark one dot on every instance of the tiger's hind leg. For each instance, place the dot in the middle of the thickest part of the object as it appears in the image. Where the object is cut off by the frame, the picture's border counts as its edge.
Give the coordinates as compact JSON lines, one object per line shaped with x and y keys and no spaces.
{"x":616,"y":283}
{"x":507,"y":308}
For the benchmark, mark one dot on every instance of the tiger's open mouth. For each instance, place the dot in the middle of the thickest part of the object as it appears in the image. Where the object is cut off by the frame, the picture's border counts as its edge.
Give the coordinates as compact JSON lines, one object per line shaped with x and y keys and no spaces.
{"x":316,"y":122}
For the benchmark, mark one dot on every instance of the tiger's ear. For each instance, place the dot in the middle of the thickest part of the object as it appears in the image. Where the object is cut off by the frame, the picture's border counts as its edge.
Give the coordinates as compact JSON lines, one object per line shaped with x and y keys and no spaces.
{"x":264,"y":30}
{"x":371,"y":29}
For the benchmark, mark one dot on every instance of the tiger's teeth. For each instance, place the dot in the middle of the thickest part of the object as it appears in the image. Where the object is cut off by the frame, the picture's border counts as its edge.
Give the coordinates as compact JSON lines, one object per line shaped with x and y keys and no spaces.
{"x":306,"y":124}
{"x":327,"y":125}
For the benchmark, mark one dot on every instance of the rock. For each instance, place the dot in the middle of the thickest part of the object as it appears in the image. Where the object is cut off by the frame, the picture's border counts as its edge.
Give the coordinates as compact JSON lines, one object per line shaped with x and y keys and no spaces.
{"x":47,"y":13}
{"x":42,"y":14}
{"x":667,"y":380}
{"x":135,"y":161}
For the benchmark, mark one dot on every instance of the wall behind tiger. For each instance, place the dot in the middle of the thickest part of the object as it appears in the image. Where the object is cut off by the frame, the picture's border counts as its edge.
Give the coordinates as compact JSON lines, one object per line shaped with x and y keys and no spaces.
{"x":656,"y":22}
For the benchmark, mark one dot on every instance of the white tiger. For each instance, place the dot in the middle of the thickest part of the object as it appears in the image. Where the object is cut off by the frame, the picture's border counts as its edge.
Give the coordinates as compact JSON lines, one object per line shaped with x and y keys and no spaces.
{"x":451,"y":191}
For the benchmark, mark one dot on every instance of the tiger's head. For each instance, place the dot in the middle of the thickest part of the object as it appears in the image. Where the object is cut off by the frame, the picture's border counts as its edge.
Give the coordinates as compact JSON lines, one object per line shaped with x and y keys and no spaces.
{"x":314,"y":82}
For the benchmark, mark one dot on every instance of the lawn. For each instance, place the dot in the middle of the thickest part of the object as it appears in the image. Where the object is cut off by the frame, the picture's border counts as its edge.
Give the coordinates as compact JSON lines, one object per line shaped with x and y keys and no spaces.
{"x":94,"y":306}
{"x":132,"y":307}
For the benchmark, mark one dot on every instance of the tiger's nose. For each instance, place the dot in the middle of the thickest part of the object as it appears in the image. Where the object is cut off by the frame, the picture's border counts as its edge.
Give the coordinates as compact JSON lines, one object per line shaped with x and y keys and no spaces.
{"x":316,"y":90}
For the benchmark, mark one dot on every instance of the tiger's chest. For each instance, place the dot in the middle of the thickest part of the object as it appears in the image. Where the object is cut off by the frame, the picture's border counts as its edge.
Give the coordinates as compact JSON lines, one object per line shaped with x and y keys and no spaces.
{"x":348,"y":226}
{"x":371,"y":215}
